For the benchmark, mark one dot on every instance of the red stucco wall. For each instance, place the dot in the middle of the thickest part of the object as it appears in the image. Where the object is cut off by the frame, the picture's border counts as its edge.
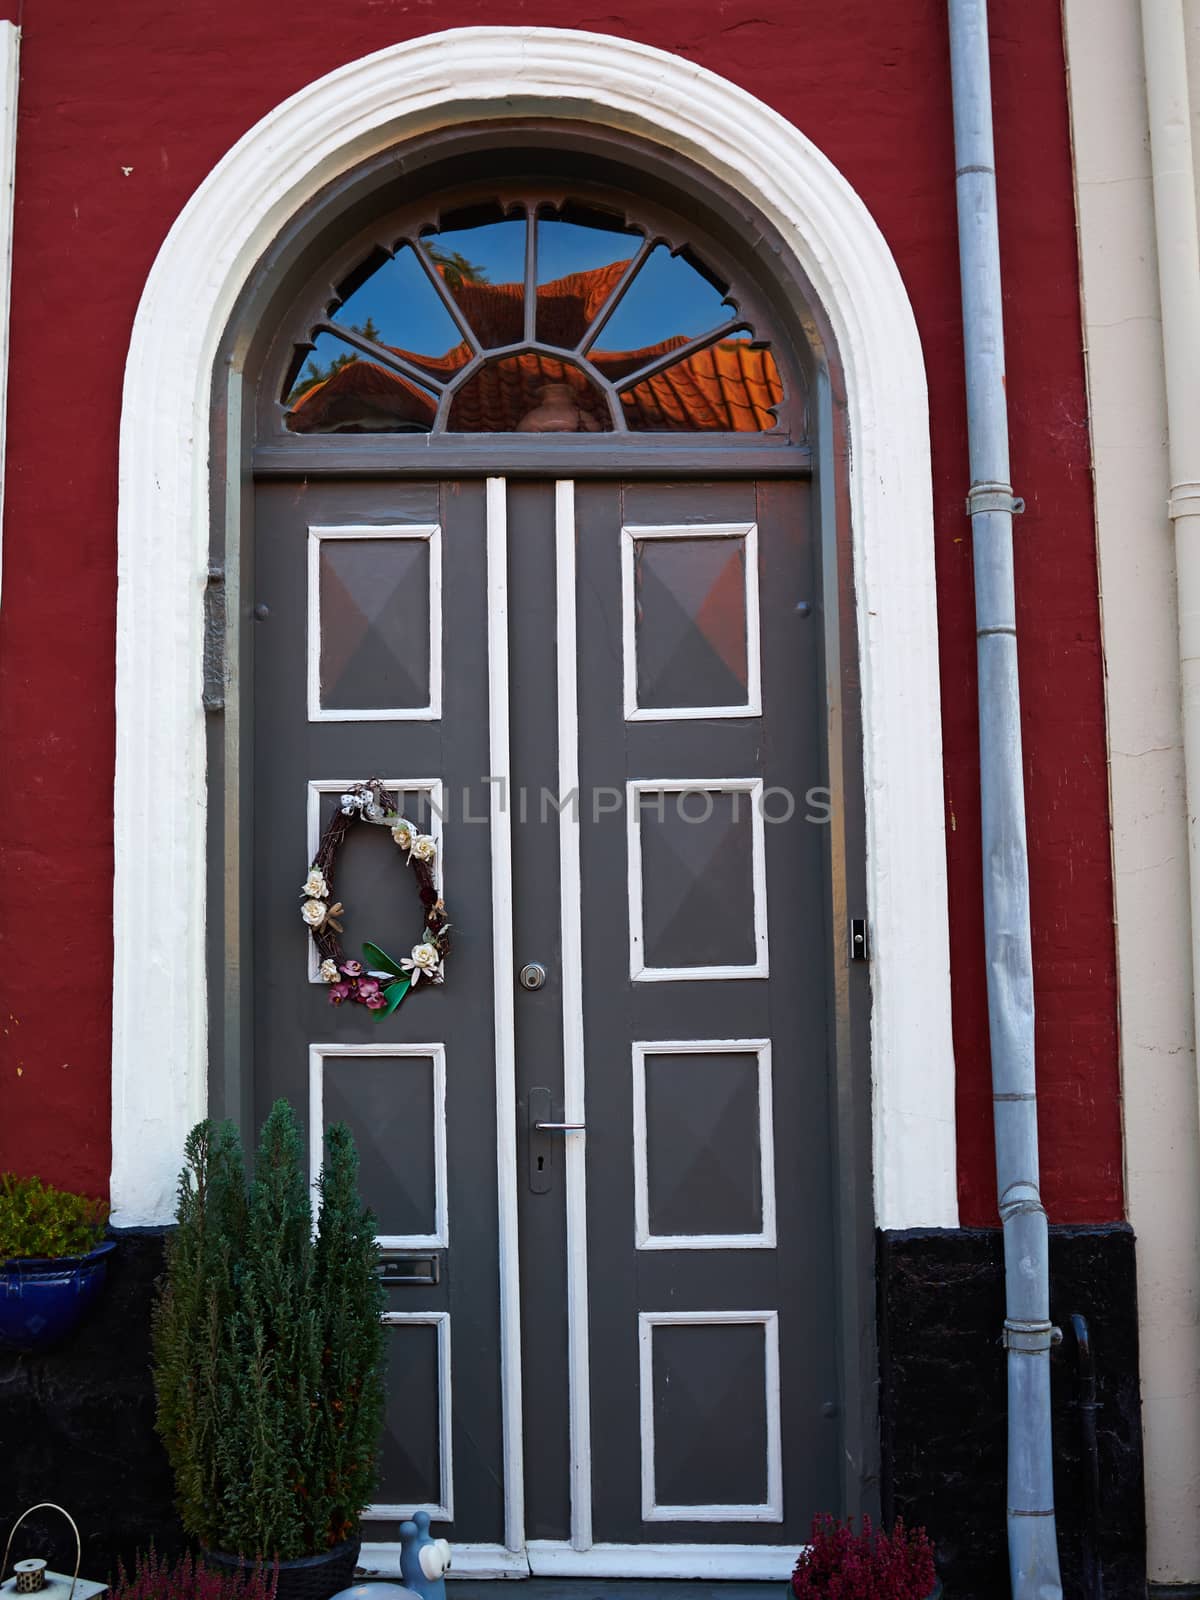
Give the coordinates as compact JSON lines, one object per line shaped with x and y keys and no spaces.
{"x":123,"y":111}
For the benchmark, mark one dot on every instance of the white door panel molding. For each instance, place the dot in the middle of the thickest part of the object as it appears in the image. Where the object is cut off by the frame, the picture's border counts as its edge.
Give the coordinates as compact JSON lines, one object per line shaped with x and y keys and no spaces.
{"x":503,"y":995}
{"x":160,"y":1026}
{"x":574,"y":1037}
{"x":318,"y":1057}
{"x":318,"y":711}
{"x":443,"y":1511}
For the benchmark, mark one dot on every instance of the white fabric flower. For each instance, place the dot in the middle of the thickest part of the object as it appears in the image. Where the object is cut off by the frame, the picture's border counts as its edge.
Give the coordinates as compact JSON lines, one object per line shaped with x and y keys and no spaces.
{"x":424,"y":847}
{"x":424,"y":962}
{"x":329,"y":972}
{"x":315,"y":885}
{"x":313,"y":912}
{"x":404,"y":833}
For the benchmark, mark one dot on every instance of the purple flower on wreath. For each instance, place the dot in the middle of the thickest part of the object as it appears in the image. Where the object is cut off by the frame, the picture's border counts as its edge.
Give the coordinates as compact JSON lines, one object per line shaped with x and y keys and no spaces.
{"x":366,"y":988}
{"x":339,"y":992}
{"x":352,"y":969}
{"x":375,"y":1001}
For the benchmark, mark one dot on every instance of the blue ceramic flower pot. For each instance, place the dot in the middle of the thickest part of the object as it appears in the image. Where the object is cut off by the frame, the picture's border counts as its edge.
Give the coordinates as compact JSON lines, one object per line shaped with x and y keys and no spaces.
{"x":42,"y":1298}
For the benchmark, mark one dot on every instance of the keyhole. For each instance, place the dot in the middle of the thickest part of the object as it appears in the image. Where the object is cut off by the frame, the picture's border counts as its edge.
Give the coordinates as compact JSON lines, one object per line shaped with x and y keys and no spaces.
{"x":541,"y":1163}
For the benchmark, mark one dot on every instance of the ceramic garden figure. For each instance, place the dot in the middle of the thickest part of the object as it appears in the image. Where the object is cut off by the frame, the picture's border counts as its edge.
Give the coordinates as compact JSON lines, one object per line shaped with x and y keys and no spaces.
{"x":424,"y":1560}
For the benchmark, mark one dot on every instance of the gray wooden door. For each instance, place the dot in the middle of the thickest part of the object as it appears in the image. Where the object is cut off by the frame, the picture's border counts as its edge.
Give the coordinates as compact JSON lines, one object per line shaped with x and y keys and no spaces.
{"x":610,"y":699}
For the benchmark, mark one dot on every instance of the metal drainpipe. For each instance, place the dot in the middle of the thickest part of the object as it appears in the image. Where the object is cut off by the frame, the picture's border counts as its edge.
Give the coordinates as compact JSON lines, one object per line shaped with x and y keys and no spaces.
{"x":1032,"y":1541}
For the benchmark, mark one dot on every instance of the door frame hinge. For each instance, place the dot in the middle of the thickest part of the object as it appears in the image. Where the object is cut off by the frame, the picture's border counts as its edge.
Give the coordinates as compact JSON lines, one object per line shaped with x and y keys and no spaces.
{"x":215,"y":625}
{"x":860,"y":943}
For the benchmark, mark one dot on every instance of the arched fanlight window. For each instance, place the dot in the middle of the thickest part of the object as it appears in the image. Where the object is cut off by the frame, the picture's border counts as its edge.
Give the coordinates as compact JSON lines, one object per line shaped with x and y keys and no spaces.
{"x":533,"y":316}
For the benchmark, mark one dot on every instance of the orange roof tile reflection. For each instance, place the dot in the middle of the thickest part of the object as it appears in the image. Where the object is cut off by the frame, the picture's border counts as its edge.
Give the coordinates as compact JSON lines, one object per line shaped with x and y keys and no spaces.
{"x":566,"y":308}
{"x":496,"y":398}
{"x":729,"y":387}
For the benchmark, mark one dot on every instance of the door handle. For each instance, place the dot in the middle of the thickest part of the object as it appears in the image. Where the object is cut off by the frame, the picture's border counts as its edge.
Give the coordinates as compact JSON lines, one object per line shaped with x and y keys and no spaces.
{"x":542,"y":1154}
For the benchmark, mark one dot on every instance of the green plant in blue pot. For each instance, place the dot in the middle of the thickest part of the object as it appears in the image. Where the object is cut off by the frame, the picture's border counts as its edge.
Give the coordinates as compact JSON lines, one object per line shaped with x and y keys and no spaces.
{"x":53,"y":1259}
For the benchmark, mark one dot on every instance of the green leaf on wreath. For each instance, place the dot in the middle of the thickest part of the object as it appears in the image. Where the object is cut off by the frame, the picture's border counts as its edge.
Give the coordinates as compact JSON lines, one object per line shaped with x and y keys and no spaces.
{"x":375,"y":957}
{"x":393,"y":994}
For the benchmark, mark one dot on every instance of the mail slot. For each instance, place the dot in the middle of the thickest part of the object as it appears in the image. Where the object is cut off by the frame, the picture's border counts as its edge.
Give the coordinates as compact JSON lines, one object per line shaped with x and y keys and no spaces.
{"x":410,"y":1266}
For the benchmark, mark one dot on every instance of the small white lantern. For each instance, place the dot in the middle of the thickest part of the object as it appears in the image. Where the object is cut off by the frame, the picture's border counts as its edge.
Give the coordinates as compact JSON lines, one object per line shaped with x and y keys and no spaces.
{"x":34,"y":1577}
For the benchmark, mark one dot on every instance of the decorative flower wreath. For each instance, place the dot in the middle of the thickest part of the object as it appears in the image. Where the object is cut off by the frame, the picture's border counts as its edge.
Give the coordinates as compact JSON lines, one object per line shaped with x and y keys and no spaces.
{"x":381,"y":984}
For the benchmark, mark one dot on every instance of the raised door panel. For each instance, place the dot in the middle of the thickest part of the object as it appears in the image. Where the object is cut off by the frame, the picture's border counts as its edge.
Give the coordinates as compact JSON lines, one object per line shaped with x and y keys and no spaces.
{"x":371,"y":661}
{"x":705,"y":950}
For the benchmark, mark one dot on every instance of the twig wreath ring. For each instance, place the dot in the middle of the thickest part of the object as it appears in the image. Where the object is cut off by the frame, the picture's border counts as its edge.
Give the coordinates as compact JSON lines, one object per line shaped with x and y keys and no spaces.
{"x":377,"y":981}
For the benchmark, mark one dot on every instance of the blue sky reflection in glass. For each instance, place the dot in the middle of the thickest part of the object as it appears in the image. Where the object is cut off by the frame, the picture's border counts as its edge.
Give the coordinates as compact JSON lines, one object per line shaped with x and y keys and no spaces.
{"x":565,"y":249}
{"x":668,"y":299}
{"x":398,"y":306}
{"x":492,"y":253}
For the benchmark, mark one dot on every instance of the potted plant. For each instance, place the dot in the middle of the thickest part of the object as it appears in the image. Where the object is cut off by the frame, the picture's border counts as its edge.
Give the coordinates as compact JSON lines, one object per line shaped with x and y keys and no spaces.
{"x":53,"y":1258}
{"x":268,"y":1356}
{"x":840,"y":1564}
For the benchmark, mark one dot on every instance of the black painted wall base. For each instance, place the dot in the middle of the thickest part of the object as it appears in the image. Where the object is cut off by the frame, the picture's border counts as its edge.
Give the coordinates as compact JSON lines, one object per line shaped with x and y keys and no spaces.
{"x":77,"y":1427}
{"x":943,"y":1393}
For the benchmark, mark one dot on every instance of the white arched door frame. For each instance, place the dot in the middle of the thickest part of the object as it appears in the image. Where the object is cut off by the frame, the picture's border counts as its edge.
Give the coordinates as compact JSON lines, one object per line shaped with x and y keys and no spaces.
{"x":160,"y":1045}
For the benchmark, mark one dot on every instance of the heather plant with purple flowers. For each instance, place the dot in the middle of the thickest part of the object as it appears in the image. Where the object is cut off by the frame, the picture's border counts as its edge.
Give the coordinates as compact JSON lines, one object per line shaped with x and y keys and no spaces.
{"x":156,"y":1579}
{"x":840,"y":1564}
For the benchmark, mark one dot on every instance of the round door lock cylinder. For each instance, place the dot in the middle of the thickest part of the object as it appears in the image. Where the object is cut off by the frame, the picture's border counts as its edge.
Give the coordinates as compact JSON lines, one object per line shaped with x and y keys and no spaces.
{"x":532,"y":975}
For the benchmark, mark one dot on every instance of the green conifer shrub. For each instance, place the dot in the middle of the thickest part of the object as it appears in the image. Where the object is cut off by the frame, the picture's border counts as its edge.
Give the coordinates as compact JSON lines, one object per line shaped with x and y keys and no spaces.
{"x":268,"y":1348}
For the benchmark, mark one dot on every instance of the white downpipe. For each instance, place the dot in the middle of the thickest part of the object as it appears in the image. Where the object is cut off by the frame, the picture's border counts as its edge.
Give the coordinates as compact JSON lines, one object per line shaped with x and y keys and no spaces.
{"x":1164,"y":44}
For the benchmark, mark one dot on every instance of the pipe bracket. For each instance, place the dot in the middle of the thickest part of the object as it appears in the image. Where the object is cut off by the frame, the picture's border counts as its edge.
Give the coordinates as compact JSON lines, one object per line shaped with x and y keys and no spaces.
{"x":1030,"y":1338}
{"x":1184,"y":501}
{"x":993,"y":497}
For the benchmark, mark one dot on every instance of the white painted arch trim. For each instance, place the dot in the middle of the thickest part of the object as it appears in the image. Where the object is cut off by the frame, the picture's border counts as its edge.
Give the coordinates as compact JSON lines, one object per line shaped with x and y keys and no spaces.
{"x":342,"y":119}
